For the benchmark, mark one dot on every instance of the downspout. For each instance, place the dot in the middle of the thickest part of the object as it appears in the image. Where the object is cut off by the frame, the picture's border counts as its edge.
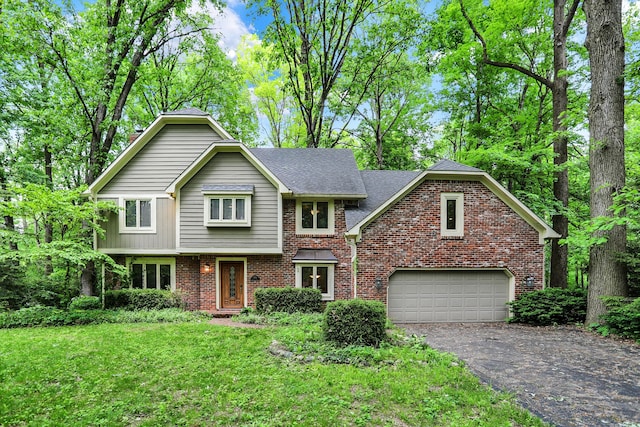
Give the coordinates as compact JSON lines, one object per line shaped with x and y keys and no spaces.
{"x":354,"y":265}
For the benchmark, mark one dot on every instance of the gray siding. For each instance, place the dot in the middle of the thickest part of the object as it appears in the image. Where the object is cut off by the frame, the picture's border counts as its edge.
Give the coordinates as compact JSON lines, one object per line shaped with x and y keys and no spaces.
{"x":229,"y":168}
{"x":163,"y":239}
{"x":162,"y":159}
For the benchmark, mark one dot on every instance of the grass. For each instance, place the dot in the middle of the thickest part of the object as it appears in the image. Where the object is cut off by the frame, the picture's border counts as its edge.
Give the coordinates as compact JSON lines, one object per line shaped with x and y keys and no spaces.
{"x":195,"y":374}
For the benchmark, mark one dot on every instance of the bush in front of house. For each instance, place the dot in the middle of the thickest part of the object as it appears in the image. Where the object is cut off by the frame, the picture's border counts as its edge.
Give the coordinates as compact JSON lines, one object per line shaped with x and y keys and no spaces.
{"x":355,"y":322}
{"x":142,"y":299}
{"x":550,"y":306}
{"x":85,"y":303}
{"x":51,"y":316}
{"x":288,"y":300}
{"x":622,"y":317}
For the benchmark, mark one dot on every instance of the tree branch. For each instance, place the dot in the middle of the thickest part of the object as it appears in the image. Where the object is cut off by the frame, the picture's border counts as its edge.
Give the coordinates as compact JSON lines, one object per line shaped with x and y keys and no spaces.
{"x":485,"y":55}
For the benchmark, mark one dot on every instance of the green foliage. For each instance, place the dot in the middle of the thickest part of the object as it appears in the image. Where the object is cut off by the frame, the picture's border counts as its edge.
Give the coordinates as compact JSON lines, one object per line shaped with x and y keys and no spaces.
{"x":40,"y":316}
{"x":622,"y":318}
{"x":355,"y":322}
{"x":13,"y":291}
{"x":85,"y":303}
{"x":550,"y":306}
{"x":50,"y":316}
{"x":288,"y":300}
{"x":142,"y":299}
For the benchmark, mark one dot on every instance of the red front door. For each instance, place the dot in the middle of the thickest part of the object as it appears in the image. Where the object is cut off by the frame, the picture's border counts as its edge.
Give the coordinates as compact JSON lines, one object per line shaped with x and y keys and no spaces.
{"x":231,"y":284}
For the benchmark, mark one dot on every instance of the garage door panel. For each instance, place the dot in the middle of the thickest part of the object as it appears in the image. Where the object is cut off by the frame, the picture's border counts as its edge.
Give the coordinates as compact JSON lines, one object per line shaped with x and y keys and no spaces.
{"x":448,"y":296}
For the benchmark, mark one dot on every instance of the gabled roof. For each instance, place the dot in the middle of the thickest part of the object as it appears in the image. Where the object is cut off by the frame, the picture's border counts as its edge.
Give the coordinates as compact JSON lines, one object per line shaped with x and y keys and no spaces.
{"x":445,"y":169}
{"x":315,"y":172}
{"x":451,"y":166}
{"x":186,"y":116}
{"x":226,"y":147}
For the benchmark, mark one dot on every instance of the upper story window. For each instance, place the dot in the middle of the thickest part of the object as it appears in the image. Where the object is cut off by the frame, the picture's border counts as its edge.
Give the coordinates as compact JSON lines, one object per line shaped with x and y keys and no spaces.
{"x":315,"y":217}
{"x":451,"y":215}
{"x":227,"y":205}
{"x":137,"y":215}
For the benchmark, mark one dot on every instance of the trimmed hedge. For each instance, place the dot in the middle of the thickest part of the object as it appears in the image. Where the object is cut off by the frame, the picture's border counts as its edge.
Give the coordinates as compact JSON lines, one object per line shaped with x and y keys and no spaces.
{"x":85,"y":303}
{"x":142,"y":299}
{"x":355,"y":322}
{"x":550,"y":306}
{"x":288,"y":300}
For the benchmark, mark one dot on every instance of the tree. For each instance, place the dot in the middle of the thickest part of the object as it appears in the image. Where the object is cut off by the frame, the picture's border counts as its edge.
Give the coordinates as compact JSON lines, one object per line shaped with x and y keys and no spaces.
{"x":313,"y":39}
{"x":563,"y":14}
{"x":605,"y":44}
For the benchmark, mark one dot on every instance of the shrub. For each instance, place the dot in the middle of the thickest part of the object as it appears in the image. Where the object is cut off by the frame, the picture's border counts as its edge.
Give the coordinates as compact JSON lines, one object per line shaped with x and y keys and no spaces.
{"x":142,"y":299}
{"x":550,"y":306}
{"x":50,"y":316}
{"x":623,"y":318}
{"x":355,"y":322}
{"x":288,"y":300}
{"x":85,"y":303}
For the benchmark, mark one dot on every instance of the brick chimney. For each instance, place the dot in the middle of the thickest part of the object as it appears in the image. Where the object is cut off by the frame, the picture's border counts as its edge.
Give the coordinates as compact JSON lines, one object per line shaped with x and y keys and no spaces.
{"x":135,"y":135}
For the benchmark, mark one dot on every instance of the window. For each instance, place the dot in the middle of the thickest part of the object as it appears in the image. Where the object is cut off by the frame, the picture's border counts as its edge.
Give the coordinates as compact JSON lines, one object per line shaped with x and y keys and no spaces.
{"x":227,"y":205}
{"x":137,"y":215}
{"x":152,"y":273}
{"x":319,"y":276}
{"x":314,"y":217}
{"x":452,"y":215}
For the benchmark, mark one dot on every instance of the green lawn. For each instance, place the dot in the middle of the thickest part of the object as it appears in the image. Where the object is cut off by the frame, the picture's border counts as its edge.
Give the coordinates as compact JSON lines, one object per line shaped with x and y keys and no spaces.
{"x":197,"y":374}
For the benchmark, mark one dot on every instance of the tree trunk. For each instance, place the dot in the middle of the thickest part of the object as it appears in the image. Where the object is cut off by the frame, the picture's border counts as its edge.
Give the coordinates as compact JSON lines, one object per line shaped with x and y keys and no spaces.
{"x":560,"y":222}
{"x":605,"y":44}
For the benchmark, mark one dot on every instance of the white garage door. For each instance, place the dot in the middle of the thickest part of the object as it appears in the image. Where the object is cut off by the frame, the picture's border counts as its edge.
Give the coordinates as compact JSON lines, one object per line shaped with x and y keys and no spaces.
{"x":419,"y":296}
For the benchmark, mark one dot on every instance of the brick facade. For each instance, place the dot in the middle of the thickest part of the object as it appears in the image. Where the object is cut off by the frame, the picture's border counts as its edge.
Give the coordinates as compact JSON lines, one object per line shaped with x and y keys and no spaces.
{"x":408,"y":236}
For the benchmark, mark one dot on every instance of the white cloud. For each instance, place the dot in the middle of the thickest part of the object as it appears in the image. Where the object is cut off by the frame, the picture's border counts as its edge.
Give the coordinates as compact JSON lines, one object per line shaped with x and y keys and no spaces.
{"x":229,"y":25}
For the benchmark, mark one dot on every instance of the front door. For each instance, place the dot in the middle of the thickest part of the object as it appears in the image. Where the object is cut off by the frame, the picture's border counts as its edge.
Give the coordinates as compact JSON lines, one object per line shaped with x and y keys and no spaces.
{"x":232,"y":284}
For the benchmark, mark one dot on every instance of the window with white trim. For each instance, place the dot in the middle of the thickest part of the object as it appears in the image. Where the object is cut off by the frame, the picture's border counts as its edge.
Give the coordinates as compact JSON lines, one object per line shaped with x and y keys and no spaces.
{"x":452,"y":215}
{"x":316,"y":276}
{"x":137,"y":215}
{"x":315,"y":217}
{"x":227,"y":205}
{"x":152,"y":273}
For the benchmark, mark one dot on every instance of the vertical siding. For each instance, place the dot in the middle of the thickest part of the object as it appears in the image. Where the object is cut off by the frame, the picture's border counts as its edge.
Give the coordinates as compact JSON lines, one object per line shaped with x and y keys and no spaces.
{"x":169,"y":153}
{"x":229,"y":168}
{"x":163,"y":239}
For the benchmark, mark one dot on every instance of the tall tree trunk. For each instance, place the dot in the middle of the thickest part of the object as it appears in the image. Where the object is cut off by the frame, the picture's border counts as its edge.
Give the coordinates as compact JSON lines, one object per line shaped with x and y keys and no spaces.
{"x":48,"y":226}
{"x":605,"y":44}
{"x":560,"y":253}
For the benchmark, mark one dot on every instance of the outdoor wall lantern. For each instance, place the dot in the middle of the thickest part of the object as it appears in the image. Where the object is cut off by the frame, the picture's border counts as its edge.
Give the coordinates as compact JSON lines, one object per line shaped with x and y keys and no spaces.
{"x":529,"y":281}
{"x":207,"y":267}
{"x":378,"y":283}
{"x":255,"y":278}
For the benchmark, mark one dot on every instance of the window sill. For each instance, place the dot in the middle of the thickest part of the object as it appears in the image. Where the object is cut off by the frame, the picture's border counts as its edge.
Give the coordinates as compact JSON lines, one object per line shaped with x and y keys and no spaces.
{"x":227,"y":224}
{"x":315,"y":234}
{"x":451,"y":237}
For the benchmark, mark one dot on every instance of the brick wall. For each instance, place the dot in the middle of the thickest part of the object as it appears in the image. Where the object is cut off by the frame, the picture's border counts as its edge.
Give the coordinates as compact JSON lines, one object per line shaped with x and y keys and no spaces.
{"x":408,"y":236}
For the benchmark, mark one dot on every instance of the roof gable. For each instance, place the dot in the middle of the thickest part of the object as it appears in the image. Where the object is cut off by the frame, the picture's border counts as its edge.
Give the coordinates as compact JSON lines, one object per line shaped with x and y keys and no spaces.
{"x":224,"y":147}
{"x":446,"y":170}
{"x":187,"y":116}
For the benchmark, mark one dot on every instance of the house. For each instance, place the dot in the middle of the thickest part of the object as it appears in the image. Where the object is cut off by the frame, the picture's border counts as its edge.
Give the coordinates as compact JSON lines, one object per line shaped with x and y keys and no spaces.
{"x":206,"y":215}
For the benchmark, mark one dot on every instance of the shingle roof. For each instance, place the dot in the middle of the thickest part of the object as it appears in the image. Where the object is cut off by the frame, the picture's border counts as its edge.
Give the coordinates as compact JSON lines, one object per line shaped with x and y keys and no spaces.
{"x":451,"y":166}
{"x":380,"y":187}
{"x":186,"y":112}
{"x":314,"y":171}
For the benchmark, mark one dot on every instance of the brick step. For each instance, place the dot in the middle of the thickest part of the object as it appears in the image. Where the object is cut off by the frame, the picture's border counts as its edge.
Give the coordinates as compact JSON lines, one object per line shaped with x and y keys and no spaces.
{"x":223,"y":313}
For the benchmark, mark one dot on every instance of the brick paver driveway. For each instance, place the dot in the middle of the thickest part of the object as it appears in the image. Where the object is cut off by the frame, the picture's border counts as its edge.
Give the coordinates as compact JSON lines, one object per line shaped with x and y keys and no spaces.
{"x":565,"y":375}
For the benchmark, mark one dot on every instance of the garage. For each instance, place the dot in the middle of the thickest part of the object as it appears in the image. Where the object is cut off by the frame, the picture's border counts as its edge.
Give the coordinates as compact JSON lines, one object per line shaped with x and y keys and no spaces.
{"x":426,"y":296}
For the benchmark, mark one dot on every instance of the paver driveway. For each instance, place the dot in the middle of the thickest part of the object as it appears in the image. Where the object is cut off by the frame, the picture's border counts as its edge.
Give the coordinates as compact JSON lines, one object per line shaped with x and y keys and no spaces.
{"x":565,"y":375}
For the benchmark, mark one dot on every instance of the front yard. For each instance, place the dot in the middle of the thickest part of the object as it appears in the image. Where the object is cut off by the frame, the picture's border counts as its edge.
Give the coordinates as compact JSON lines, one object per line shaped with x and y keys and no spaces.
{"x":199,"y":374}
